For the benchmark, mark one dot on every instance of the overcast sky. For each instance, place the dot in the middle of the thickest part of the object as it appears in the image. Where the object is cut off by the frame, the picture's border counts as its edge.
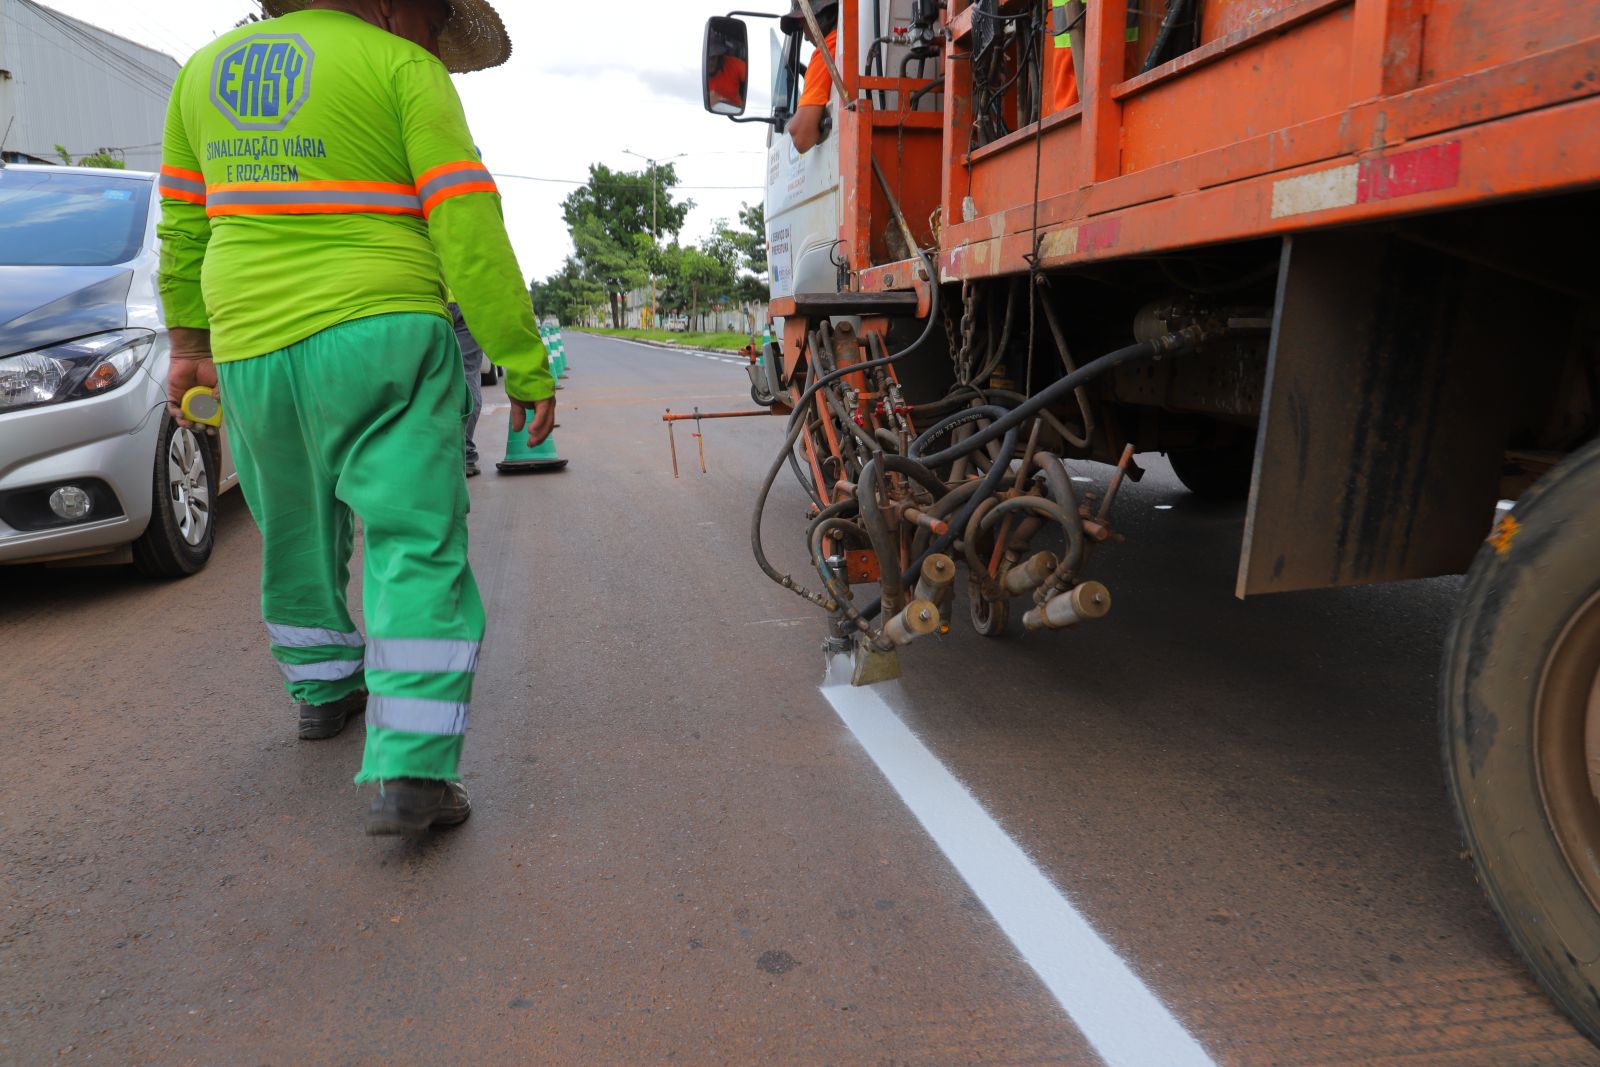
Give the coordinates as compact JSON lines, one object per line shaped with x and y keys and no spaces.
{"x":585,"y":81}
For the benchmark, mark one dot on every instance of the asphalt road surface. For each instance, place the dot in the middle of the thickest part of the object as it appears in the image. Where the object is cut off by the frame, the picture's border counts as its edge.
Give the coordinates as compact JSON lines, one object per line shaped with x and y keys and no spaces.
{"x":1229,"y":815}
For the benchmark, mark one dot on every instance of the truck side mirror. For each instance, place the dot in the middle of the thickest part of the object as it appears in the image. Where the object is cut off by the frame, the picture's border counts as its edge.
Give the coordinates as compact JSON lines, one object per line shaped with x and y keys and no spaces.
{"x":725,"y":68}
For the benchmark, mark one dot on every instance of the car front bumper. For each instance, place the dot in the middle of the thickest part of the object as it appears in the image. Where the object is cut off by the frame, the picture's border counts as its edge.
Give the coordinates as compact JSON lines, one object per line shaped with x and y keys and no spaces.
{"x":111,"y":438}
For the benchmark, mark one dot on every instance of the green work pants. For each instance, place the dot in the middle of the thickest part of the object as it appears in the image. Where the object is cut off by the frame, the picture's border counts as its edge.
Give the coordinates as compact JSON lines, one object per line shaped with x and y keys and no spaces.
{"x":364,"y":420}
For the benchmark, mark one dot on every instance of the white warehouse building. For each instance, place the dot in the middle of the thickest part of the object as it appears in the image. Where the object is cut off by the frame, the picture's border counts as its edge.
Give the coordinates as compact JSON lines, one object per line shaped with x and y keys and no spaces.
{"x":65,"y":82}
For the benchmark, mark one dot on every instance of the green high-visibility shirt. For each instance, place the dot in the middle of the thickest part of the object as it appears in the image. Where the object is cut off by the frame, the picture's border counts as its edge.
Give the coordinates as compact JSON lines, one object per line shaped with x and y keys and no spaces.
{"x":318,"y":169}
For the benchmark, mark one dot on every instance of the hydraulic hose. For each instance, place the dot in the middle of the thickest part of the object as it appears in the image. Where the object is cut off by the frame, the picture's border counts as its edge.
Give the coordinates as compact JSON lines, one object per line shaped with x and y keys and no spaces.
{"x":840,"y":528}
{"x":1177,"y":341}
{"x":856,"y":430}
{"x":913,"y":470}
{"x":839,"y":509}
{"x":1046,"y":507}
{"x":986,"y":488}
{"x":939,"y":509}
{"x":969,"y":536}
{"x":1058,"y":484}
{"x":877,"y":526}
{"x":882,"y":538}
{"x":1068,"y":434}
{"x":797,"y":424}
{"x":952,"y":422}
{"x":765,"y":564}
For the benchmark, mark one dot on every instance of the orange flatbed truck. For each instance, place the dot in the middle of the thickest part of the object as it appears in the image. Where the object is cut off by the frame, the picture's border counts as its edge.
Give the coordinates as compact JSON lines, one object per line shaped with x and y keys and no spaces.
{"x":1336,"y":258}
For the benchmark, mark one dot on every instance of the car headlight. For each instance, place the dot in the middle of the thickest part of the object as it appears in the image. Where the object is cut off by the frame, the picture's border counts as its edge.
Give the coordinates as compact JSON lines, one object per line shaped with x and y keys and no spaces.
{"x":73,"y":369}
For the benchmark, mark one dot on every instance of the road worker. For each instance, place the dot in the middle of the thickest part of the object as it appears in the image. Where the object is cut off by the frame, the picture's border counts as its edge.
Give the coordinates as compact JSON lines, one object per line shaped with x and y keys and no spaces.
{"x":472,"y":365}
{"x":1063,"y":76}
{"x":805,"y":128}
{"x":727,"y":81}
{"x":319,"y":189}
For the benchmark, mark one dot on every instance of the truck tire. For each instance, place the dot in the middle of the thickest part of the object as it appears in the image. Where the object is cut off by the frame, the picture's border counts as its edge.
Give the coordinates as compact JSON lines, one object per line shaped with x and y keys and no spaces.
{"x":182,"y":529}
{"x":1216,"y":473}
{"x":1521,"y":713}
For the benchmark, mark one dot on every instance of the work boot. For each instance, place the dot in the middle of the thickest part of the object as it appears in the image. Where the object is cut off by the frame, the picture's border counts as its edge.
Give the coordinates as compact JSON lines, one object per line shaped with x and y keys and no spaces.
{"x":319,"y":721}
{"x":411,"y":806}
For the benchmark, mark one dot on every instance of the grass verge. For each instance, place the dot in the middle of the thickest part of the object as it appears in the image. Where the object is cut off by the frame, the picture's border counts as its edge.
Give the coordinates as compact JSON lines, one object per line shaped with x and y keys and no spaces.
{"x":729,"y":341}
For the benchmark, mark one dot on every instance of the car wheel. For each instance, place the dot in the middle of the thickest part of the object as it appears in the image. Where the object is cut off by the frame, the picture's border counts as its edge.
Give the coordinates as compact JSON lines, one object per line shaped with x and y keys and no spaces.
{"x":489,"y":375}
{"x":182,"y":530}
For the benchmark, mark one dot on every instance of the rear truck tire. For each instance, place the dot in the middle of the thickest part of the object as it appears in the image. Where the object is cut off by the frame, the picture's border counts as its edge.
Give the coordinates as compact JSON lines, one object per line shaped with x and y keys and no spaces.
{"x":1520,"y":729}
{"x":182,"y":530}
{"x":1216,"y":473}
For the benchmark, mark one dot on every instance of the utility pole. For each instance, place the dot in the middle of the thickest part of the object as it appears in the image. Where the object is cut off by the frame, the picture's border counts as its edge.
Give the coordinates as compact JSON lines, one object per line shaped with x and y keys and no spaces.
{"x":655,"y":234}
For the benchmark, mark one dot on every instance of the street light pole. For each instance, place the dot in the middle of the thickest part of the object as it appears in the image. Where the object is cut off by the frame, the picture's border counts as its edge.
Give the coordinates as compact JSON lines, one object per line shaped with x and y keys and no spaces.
{"x":655,"y":233}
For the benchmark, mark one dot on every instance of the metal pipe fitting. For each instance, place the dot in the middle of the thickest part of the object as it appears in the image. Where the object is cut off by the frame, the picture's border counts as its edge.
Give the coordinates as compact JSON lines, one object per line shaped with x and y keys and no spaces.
{"x":938,"y":571}
{"x":919,"y":618}
{"x":1031,"y":574}
{"x":1090,"y":600}
{"x":933,"y":523}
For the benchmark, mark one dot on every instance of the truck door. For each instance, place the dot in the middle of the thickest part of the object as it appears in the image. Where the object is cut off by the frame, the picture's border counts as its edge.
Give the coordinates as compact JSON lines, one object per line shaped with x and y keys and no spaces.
{"x":802,"y":189}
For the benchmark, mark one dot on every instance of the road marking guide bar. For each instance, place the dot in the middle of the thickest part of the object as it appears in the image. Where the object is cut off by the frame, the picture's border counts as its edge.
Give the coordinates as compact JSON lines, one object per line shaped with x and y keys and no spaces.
{"x":1118,"y":1014}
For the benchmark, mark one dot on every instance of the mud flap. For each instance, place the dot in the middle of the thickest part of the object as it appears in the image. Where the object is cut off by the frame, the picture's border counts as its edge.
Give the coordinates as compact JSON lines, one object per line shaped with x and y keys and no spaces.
{"x":1384,"y":427}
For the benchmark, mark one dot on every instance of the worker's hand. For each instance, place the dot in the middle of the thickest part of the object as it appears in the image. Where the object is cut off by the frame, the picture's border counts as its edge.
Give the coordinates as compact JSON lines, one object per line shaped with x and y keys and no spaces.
{"x":190,"y":366}
{"x":542,"y":422}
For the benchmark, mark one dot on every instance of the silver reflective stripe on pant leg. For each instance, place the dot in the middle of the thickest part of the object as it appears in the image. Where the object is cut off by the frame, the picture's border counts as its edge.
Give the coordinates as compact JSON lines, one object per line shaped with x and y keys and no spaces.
{"x":422,"y":655}
{"x":416,"y":716}
{"x":310,"y":636}
{"x":330,"y":670}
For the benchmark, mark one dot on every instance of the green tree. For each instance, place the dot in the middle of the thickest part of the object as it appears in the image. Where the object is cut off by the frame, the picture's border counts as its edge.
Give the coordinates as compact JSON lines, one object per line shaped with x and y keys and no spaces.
{"x":102,"y":158}
{"x":752,"y":237}
{"x":744,"y":248}
{"x":568,"y":294}
{"x":623,"y":202}
{"x":694,"y":277}
{"x":615,"y":218}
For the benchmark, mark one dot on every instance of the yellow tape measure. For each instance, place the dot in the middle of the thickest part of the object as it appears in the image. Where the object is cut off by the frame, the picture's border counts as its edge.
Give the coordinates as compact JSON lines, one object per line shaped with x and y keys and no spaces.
{"x":202,"y":405}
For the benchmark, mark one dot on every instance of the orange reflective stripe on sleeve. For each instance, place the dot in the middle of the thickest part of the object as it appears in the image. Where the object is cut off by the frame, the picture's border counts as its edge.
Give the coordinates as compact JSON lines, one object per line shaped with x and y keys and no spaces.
{"x":312,"y":198}
{"x":453,"y":179}
{"x":189,"y":185}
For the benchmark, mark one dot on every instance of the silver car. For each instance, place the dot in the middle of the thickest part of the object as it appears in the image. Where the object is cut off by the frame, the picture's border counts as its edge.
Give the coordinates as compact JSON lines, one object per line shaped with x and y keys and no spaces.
{"x":90,"y":462}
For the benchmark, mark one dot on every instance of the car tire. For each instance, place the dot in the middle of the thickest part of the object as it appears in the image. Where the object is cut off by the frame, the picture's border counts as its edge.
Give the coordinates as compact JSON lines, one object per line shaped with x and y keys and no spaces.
{"x":1519,"y":714}
{"x":182,"y":529}
{"x":489,"y":375}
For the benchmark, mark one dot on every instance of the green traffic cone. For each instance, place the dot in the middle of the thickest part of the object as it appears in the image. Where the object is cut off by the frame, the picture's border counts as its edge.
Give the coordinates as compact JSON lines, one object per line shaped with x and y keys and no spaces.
{"x":547,"y":334}
{"x":520,"y":459}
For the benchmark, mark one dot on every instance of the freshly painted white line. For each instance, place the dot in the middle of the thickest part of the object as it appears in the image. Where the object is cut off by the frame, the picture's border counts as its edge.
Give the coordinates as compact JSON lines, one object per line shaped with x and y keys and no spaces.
{"x":1124,"y":1021}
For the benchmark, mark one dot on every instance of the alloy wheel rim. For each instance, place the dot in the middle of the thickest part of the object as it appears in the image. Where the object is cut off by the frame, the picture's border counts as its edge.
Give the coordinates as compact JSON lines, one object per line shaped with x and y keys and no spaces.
{"x":188,"y":489}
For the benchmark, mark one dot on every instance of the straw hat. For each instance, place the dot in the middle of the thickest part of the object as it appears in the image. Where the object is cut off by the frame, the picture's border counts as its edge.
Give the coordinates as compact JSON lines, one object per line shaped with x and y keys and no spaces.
{"x":473,"y":39}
